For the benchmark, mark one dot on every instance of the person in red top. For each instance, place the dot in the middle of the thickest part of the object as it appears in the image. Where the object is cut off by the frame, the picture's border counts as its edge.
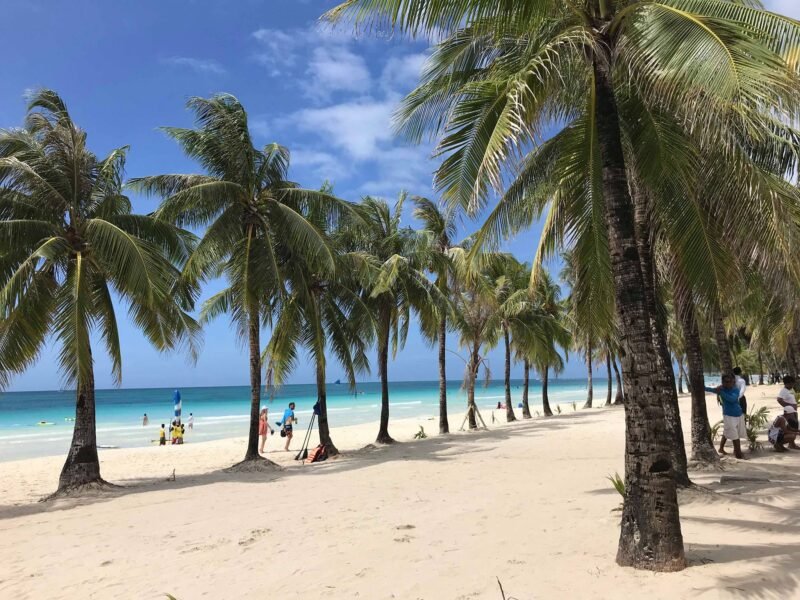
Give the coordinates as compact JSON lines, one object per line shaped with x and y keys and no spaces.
{"x":263,"y":428}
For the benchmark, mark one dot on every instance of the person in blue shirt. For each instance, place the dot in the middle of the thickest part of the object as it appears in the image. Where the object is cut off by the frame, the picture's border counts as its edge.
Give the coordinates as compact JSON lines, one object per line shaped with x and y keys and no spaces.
{"x":733,"y":426}
{"x":287,"y":423}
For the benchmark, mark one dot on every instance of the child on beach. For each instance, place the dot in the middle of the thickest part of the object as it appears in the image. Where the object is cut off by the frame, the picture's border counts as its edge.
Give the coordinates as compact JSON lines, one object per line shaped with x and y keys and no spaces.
{"x":162,"y":436}
{"x":732,"y":415}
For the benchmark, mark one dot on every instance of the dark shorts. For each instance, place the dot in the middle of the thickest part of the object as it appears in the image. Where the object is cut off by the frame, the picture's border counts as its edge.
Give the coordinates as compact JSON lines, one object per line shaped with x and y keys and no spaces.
{"x":162,"y":442}
{"x":288,"y":429}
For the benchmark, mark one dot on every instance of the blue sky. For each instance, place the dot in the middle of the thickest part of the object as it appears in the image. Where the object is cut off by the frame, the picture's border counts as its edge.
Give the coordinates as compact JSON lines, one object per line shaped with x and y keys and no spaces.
{"x":125,"y":68}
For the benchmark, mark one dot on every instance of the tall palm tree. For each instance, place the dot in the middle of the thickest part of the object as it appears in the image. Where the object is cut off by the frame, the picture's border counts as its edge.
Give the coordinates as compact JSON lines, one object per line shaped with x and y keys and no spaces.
{"x":438,"y":229}
{"x":321,"y":311}
{"x":398,"y":283}
{"x":248,"y":207}
{"x":578,"y":63}
{"x":70,"y":244}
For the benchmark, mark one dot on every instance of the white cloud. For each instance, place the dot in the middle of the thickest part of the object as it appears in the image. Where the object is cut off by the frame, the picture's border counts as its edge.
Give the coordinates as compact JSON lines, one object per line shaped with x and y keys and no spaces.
{"x":336,"y":68}
{"x":402,"y":73}
{"x":322,"y":165}
{"x":357,"y":127}
{"x":198,"y":65}
{"x":277,"y":49}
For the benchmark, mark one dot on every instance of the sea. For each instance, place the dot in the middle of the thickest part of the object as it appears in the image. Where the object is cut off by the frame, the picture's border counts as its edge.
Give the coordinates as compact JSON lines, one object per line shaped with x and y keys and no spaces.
{"x":40,"y":423}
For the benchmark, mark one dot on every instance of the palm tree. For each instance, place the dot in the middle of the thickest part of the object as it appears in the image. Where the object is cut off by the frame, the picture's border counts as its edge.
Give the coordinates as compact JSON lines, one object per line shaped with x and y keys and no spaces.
{"x":438,"y":229}
{"x":322,"y":310}
{"x":398,"y":283}
{"x":249,"y":208}
{"x":70,"y":244}
{"x":539,"y":351}
{"x":579,"y":64}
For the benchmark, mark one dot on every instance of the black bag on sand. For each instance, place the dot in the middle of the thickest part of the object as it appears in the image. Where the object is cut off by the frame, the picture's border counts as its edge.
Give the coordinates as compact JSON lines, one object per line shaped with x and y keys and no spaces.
{"x":283,"y":433}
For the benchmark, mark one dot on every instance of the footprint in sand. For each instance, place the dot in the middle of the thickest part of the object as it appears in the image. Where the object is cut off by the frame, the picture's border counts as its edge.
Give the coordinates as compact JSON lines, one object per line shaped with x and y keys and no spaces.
{"x":405,"y":538}
{"x":406,"y":527}
{"x":253,"y":537}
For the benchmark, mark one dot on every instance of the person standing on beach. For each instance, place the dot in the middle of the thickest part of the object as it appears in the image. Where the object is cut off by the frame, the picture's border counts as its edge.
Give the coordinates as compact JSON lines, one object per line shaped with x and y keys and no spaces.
{"x":732,"y":415}
{"x":191,"y":421}
{"x":786,"y":398}
{"x":263,"y":427}
{"x":145,"y":421}
{"x":162,"y":436}
{"x":742,"y":385}
{"x":287,"y":423}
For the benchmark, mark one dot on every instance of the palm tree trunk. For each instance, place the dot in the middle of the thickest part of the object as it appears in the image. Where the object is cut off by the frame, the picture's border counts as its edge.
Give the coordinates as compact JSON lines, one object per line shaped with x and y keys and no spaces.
{"x":322,"y":418}
{"x":384,"y":322}
{"x":472,"y":376}
{"x":680,"y":375}
{"x":760,"y":369}
{"x":608,"y":380}
{"x":526,"y":376}
{"x":620,"y":396}
{"x":510,"y":416}
{"x":702,"y":447}
{"x":548,"y":412}
{"x":82,"y":465}
{"x":590,"y":391}
{"x":444,"y":425}
{"x":721,"y":337}
{"x":650,"y":535}
{"x":254,"y":337}
{"x":672,"y":413}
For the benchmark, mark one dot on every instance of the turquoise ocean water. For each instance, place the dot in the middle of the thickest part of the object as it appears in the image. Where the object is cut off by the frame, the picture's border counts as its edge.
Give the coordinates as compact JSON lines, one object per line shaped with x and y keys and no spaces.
{"x":221,"y":412}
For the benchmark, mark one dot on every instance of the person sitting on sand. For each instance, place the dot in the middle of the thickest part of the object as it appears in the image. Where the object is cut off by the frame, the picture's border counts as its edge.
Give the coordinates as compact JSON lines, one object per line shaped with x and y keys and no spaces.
{"x":287,"y":423}
{"x":781,"y":432}
{"x":263,"y":427}
{"x":145,"y":421}
{"x":732,"y":415}
{"x":162,"y":436}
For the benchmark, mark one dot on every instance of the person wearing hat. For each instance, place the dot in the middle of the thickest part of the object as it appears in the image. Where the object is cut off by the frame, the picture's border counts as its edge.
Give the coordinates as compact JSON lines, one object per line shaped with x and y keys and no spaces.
{"x":781,"y":431}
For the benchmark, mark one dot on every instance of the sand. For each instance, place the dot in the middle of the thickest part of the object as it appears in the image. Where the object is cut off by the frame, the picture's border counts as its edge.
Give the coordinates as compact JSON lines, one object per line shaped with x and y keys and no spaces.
{"x":441,"y":518}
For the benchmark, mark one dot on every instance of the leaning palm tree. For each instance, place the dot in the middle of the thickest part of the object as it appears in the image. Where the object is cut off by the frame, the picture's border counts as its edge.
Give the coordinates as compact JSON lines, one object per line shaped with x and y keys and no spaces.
{"x":248,"y":207}
{"x":438,"y":230}
{"x":321,"y":312}
{"x":508,"y":69}
{"x":70,"y":244}
{"x":398,"y":284}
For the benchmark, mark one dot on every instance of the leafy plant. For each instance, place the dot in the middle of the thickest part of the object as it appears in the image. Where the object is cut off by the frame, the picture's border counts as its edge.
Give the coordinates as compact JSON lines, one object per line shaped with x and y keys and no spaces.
{"x":537,"y":413}
{"x":574,"y":406}
{"x":558,"y":408}
{"x":420,"y":435}
{"x":618,"y":483}
{"x":754,"y":423}
{"x":715,"y":431}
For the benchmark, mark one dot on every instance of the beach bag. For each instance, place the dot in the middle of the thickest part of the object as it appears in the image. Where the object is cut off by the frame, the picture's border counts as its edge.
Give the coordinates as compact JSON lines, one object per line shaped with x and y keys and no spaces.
{"x":283,"y":432}
{"x":318,"y":454}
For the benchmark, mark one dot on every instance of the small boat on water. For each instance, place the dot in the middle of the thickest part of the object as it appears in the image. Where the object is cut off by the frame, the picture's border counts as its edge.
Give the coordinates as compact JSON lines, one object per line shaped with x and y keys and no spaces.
{"x":45,"y":423}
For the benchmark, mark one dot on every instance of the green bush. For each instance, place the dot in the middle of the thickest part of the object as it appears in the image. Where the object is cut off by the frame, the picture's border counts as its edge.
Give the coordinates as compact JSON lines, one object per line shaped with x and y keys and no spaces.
{"x":558,"y":408}
{"x":754,"y":422}
{"x":715,"y":429}
{"x":420,"y":435}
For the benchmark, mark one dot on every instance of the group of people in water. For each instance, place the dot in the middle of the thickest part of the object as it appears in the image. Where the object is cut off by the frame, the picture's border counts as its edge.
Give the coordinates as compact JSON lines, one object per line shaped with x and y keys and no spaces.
{"x":732,"y":396}
{"x":286,"y":424}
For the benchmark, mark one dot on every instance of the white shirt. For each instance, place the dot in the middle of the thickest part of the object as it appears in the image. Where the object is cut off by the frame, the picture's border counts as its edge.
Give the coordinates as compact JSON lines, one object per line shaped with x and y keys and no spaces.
{"x":787,"y":396}
{"x":742,"y":385}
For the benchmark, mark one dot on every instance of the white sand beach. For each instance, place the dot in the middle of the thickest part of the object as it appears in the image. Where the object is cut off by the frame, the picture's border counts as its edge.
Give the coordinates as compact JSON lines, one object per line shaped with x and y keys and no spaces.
{"x":445,"y":517}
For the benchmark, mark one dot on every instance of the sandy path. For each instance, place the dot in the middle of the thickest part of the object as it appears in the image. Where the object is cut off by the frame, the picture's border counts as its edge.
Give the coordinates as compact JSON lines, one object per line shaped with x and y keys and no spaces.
{"x":436,"y":519}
